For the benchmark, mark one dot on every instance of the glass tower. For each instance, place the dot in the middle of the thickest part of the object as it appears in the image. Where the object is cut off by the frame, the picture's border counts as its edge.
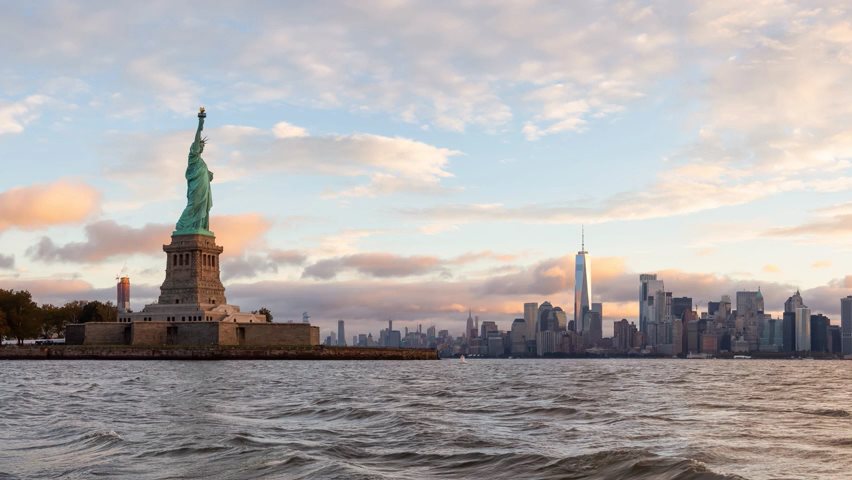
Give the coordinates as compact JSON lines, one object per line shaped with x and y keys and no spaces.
{"x":582,"y":288}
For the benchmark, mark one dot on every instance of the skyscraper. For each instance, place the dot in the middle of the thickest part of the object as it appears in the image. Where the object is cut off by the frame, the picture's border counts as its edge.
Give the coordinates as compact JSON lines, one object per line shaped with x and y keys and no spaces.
{"x":530,"y":315}
{"x":341,"y":336}
{"x":793,"y":302}
{"x":803,"y":329}
{"x":648,"y":288}
{"x":582,"y":287}
{"x":846,"y":325}
{"x":123,"y":294}
{"x":470,"y":330}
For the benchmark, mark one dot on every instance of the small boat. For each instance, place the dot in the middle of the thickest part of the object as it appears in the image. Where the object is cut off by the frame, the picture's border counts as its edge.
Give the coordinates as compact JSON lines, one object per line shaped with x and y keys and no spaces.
{"x":461,"y":359}
{"x":742,"y":357}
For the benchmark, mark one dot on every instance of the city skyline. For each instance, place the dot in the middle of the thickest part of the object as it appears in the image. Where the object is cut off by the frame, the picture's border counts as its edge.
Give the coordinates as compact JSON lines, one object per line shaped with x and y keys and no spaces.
{"x":461,"y":183}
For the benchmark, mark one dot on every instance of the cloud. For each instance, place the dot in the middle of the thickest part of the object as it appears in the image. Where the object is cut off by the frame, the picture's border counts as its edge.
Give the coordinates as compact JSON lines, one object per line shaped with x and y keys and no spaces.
{"x":287,"y":130}
{"x":392,"y":164}
{"x":821,"y":264}
{"x":172,"y":91}
{"x":250,"y":266}
{"x":104,"y":239}
{"x":389,"y":164}
{"x":388,"y":265}
{"x":770,"y":268}
{"x":44,"y":205}
{"x":107,"y":239}
{"x":446,"y":65}
{"x":7,"y":261}
{"x":380,"y":265}
{"x":238,"y":232}
{"x":15,"y":116}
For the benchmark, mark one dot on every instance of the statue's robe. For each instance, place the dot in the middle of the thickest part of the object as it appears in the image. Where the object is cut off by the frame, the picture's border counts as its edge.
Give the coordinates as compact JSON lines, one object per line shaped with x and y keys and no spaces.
{"x":196,"y":215}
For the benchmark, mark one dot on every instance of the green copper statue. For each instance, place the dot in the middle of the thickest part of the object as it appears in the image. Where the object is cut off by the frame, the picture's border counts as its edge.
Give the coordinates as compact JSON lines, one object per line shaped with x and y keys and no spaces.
{"x":195,"y":219}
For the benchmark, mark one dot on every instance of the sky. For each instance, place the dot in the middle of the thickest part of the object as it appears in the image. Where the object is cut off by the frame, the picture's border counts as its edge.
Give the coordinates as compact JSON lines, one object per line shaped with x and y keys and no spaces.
{"x":403,"y":160}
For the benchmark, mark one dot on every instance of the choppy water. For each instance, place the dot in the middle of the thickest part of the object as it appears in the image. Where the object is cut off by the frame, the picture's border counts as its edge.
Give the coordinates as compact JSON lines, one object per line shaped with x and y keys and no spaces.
{"x":489,"y":419}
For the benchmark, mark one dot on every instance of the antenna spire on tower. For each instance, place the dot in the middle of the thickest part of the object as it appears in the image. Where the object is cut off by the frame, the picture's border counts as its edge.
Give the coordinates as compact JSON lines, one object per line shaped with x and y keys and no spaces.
{"x":582,"y":238}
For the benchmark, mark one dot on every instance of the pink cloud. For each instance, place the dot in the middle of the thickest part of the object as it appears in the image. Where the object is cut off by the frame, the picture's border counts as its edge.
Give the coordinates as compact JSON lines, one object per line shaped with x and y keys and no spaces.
{"x":237,"y":232}
{"x":39,"y":206}
{"x":107,"y":238}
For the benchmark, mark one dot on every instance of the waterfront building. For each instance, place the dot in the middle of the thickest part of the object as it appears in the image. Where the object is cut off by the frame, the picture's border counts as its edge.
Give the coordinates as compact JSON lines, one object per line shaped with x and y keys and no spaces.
{"x":488,"y":327}
{"x":846,"y":325}
{"x":624,"y":335}
{"x":710,"y":343}
{"x":834,"y":342}
{"x":594,"y":334}
{"x":772,"y":337}
{"x":341,"y":335}
{"x":750,"y":316}
{"x":548,"y":342}
{"x":648,"y":288}
{"x":789,"y":332}
{"x":582,"y":287}
{"x":123,"y":294}
{"x":495,"y":345}
{"x":470,"y":328}
{"x":681,"y":305}
{"x":546,"y":320}
{"x":803,"y":329}
{"x":531,"y":319}
{"x":518,"y":336}
{"x":819,"y":333}
{"x":793,"y":302}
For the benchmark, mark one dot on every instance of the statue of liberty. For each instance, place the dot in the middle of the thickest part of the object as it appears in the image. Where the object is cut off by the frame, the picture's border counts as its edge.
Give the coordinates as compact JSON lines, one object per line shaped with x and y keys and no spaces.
{"x":195,"y":219}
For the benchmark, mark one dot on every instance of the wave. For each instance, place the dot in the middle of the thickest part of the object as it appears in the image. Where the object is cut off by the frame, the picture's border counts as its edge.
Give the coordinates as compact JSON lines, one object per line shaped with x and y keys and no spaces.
{"x":620,"y":463}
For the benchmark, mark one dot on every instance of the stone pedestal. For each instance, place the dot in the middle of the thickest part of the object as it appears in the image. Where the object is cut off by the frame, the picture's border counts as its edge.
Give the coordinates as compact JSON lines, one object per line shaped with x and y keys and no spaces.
{"x":192,"y":271}
{"x":192,"y":290}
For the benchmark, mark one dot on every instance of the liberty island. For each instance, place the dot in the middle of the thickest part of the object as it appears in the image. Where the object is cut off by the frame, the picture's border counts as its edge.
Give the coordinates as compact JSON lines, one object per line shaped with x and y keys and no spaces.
{"x":192,"y":310}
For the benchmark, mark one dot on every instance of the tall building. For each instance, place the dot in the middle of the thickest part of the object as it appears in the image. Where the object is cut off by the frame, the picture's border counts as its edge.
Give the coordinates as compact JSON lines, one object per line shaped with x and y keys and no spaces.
{"x":846,"y":325}
{"x":648,"y":288}
{"x":519,"y":337}
{"x":819,"y":333}
{"x":803,"y":329}
{"x":789,"y":332}
{"x":750,"y":316}
{"x":793,"y":302}
{"x":341,"y":336}
{"x":123,"y":294}
{"x":470,"y":329}
{"x":582,"y":287}
{"x":530,"y":315}
{"x":681,"y":305}
{"x":624,"y":334}
{"x":547,"y":320}
{"x":488,"y":328}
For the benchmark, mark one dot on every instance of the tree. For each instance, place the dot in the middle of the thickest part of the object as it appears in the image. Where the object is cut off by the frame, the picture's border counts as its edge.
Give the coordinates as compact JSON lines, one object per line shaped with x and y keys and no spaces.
{"x":265,"y":312}
{"x":23,"y":317}
{"x":4,"y":329}
{"x":96,"y":311}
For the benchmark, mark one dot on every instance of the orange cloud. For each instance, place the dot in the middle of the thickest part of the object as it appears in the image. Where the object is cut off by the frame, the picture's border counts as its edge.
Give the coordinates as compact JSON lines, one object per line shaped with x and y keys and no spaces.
{"x":39,"y":206}
{"x":236,"y":232}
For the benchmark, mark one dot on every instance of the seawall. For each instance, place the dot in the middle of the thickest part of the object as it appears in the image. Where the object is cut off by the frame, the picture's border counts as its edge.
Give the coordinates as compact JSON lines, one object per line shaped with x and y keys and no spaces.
{"x":178,"y":352}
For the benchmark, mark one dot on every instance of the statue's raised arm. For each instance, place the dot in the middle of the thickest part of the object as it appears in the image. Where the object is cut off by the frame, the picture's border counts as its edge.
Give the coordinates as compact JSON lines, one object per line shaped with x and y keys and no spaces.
{"x":195,"y":219}
{"x":198,"y":144}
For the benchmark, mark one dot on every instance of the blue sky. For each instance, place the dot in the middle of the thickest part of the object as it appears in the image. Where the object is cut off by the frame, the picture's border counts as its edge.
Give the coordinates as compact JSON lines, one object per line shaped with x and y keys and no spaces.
{"x":410,"y":160}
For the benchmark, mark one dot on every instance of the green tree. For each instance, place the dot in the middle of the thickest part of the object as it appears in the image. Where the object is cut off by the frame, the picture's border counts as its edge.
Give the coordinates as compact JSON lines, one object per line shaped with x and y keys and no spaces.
{"x":23,"y":317}
{"x":265,"y":312}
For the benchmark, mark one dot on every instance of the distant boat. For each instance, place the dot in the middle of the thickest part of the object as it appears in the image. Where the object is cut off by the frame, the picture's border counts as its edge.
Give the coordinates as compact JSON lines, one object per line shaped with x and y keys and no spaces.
{"x":461,"y":359}
{"x":742,"y":357}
